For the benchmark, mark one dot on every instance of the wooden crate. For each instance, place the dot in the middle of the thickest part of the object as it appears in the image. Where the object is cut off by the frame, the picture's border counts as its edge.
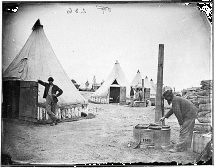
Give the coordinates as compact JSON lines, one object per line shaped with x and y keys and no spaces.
{"x":200,"y":141}
{"x":140,"y":104}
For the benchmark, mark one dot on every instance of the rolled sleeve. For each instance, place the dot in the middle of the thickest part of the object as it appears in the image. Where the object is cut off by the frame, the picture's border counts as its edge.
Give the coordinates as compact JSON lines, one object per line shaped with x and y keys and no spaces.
{"x":169,"y":113}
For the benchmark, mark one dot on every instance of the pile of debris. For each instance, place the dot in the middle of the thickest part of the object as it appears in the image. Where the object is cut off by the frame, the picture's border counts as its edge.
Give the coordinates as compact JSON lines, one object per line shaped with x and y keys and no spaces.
{"x":202,"y":136}
{"x":202,"y":99}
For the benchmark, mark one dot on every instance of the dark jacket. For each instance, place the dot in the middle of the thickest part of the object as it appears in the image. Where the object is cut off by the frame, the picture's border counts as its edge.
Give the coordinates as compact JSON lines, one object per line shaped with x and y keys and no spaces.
{"x":132,"y":92}
{"x":55,"y":88}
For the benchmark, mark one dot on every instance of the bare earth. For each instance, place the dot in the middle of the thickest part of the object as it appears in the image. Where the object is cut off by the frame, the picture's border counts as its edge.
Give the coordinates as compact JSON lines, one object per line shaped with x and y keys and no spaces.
{"x":106,"y":138}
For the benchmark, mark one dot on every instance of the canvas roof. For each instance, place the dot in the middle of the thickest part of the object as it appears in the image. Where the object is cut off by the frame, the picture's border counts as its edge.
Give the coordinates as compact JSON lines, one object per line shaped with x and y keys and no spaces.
{"x":153,"y":85}
{"x":148,"y":84}
{"x":137,"y":81}
{"x":37,"y":60}
{"x":116,"y":74}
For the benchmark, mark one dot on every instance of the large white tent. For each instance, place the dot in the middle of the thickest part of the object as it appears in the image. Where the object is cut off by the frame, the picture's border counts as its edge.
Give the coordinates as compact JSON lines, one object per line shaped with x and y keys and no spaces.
{"x":116,"y":78}
{"x":37,"y":60}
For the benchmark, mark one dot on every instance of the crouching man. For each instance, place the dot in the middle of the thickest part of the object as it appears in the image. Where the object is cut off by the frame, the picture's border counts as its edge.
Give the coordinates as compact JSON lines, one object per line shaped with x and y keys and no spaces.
{"x":186,"y":113}
{"x":51,"y":98}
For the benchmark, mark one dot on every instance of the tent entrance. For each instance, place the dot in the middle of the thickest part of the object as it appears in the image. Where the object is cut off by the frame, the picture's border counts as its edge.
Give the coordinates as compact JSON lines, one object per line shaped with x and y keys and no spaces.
{"x":11,"y":94}
{"x":114,"y":94}
{"x":20,"y":99}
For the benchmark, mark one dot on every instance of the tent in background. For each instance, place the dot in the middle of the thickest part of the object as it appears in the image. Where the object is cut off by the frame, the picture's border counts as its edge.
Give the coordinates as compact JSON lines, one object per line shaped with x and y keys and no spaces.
{"x":37,"y":60}
{"x":115,"y":89}
{"x":153,"y":85}
{"x":137,"y":81}
{"x":149,"y":85}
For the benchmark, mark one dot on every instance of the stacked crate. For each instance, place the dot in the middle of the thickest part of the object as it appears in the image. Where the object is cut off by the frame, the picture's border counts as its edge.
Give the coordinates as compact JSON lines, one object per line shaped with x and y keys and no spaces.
{"x":202,"y":99}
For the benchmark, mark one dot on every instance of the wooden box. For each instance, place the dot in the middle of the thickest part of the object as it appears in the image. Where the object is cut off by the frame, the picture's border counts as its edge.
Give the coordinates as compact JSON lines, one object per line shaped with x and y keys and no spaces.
{"x":200,"y":141}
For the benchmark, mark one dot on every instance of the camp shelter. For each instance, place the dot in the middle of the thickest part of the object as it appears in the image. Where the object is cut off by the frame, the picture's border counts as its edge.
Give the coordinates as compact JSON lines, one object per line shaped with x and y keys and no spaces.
{"x":37,"y":60}
{"x":115,"y":89}
{"x":149,"y":87}
{"x":153,"y":85}
{"x":137,"y":81}
{"x":152,"y":92}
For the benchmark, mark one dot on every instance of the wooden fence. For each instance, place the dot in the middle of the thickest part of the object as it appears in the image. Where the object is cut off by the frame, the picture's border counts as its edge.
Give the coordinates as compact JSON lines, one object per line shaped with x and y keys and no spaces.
{"x":102,"y":100}
{"x":62,"y":114}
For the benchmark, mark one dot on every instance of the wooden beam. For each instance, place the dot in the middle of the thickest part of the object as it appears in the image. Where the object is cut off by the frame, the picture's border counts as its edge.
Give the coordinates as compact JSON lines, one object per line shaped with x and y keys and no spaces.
{"x":159,"y":112}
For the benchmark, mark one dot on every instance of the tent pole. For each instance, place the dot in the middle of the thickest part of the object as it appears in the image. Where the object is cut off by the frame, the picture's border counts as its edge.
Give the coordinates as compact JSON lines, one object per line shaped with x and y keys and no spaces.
{"x":159,"y":111}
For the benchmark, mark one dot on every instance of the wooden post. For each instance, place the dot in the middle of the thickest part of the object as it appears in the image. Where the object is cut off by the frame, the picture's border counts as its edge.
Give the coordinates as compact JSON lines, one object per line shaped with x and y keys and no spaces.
{"x":159,"y":112}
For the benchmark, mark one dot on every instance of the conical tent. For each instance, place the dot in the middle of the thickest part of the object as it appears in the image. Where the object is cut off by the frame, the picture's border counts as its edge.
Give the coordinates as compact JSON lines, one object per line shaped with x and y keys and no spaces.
{"x":148,"y":84}
{"x":152,"y":84}
{"x":137,"y":81}
{"x":116,"y":76}
{"x":37,"y":60}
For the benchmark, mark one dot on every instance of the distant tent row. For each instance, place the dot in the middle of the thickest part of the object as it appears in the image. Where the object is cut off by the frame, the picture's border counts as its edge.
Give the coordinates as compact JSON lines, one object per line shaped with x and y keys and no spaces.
{"x":116,"y":89}
{"x":137,"y":82}
{"x":37,"y":60}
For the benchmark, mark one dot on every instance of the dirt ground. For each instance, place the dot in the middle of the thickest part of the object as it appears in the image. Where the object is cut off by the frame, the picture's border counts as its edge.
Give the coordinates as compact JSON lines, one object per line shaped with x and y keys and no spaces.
{"x":106,"y":138}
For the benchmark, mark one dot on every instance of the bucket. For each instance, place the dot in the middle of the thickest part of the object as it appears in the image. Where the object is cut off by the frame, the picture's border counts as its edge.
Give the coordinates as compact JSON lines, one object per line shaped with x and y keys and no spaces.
{"x":143,"y":134}
{"x":157,"y":135}
{"x":146,"y":136}
{"x":165,"y":138}
{"x":138,"y":129}
{"x":200,"y":141}
{"x":161,"y":135}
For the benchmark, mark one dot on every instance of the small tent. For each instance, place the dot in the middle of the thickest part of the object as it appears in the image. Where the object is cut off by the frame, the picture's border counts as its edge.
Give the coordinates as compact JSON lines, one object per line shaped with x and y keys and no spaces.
{"x":153,"y":85}
{"x":137,"y":81}
{"x":149,"y":85}
{"x":37,"y":60}
{"x":115,"y":89}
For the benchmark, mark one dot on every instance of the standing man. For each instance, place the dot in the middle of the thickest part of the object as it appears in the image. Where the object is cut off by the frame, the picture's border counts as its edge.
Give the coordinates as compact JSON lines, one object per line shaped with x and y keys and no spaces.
{"x":141,"y":94}
{"x":51,"y":98}
{"x":186,"y":114}
{"x":132,"y":96}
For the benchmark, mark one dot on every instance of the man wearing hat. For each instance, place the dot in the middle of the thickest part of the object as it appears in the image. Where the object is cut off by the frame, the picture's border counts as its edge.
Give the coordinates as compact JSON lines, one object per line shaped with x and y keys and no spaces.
{"x":186,"y":113}
{"x":51,"y":98}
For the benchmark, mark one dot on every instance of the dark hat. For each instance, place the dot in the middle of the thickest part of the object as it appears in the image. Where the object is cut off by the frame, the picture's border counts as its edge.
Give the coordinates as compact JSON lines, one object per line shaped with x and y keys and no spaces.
{"x":167,"y":93}
{"x":50,"y":79}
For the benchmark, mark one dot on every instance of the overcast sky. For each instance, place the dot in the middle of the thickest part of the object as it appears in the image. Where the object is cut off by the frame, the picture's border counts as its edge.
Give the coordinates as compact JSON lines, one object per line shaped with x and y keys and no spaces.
{"x":88,"y":41}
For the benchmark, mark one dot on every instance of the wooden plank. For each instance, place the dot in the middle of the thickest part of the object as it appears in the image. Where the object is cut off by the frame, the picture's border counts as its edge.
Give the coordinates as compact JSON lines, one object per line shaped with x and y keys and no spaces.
{"x":28,"y":84}
{"x":122,"y":96}
{"x":28,"y":101}
{"x":11,"y":92}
